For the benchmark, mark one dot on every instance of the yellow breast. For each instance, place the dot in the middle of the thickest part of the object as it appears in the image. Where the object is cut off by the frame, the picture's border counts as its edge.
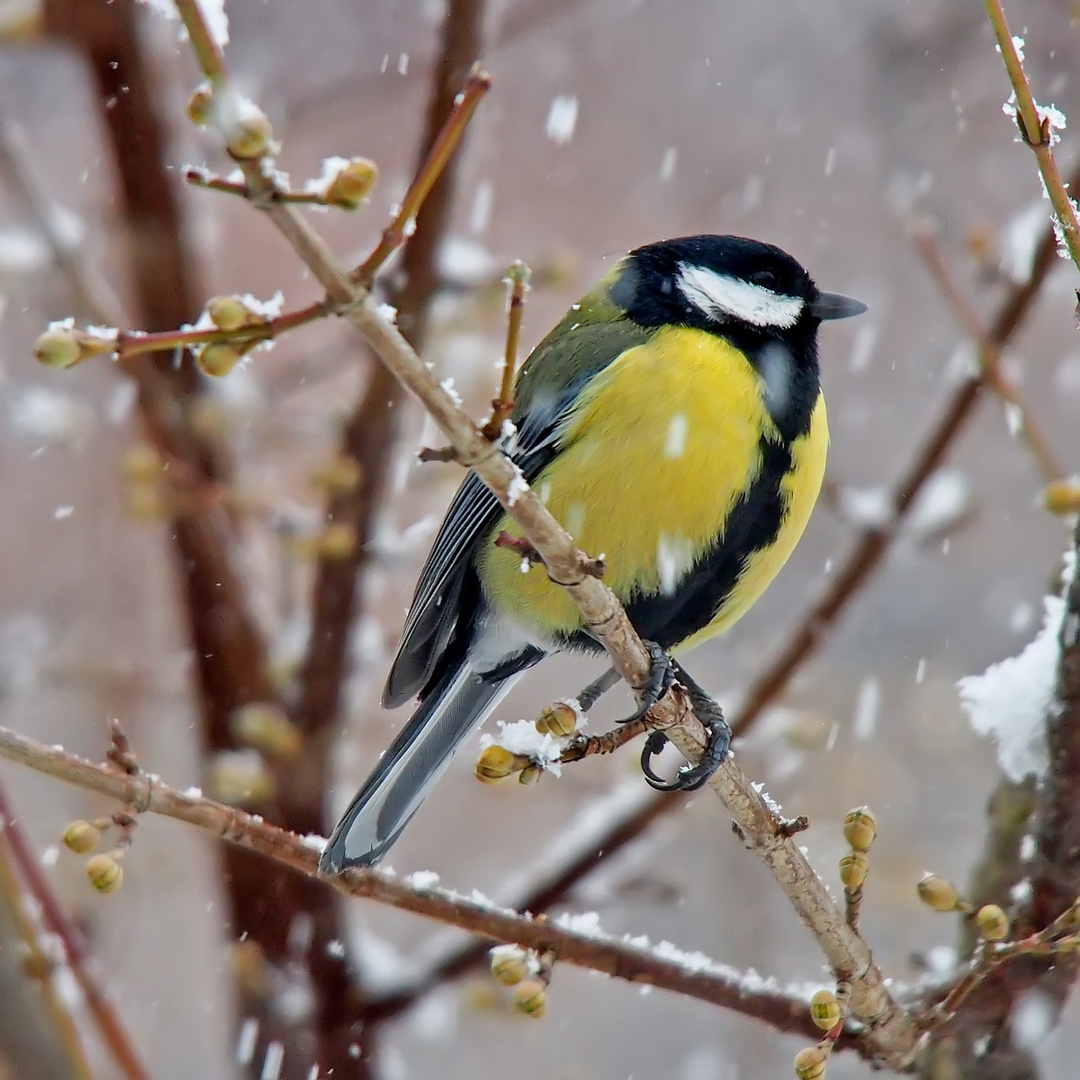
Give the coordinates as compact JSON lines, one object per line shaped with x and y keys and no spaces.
{"x":654,"y":456}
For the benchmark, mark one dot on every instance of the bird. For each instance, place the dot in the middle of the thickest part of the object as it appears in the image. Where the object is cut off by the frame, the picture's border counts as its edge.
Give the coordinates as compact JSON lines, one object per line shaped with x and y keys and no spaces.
{"x":673,"y":422}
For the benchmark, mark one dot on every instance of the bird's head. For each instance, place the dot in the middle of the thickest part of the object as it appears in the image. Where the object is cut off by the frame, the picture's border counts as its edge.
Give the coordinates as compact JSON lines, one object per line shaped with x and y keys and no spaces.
{"x":724,"y":284}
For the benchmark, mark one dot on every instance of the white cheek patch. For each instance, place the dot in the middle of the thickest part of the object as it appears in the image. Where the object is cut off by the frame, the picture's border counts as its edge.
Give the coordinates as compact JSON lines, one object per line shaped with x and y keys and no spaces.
{"x":723,"y":297}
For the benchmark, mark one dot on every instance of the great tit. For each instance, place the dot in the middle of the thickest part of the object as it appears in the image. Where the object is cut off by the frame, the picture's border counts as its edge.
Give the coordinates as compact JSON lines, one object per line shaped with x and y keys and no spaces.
{"x":672,"y":422}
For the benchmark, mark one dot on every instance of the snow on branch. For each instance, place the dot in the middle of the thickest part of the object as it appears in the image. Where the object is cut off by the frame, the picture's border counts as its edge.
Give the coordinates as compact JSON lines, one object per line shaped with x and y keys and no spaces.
{"x":579,"y":941}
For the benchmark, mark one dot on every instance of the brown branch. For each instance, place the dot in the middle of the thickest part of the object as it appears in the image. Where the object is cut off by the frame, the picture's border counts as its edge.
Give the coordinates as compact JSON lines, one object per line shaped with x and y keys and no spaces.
{"x":462,"y":34}
{"x":996,"y":978}
{"x":131,"y":343}
{"x":371,"y":432}
{"x":368,"y":439}
{"x":76,"y":952}
{"x":142,"y":793}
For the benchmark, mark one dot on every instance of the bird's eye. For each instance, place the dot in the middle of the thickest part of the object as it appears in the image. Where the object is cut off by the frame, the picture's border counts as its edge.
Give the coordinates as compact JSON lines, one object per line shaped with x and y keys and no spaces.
{"x":765,"y":278}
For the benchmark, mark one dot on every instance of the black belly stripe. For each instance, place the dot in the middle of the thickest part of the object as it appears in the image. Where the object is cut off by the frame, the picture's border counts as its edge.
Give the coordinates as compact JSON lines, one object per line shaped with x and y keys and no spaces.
{"x":754,"y":523}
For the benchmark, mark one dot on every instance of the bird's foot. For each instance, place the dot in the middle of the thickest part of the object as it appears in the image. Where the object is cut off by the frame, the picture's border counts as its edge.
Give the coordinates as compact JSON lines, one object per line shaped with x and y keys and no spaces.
{"x":691,"y":777}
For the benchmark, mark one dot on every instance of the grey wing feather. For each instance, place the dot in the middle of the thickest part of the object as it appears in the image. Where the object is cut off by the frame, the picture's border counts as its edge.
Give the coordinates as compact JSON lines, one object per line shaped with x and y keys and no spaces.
{"x":434,"y":611}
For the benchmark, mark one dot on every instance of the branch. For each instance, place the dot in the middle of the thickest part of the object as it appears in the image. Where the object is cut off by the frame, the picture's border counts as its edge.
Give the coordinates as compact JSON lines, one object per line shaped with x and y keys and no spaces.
{"x":1037,"y":131}
{"x":372,"y":428}
{"x":27,"y":959}
{"x":689,"y":975}
{"x":989,"y":353}
{"x":368,"y":439}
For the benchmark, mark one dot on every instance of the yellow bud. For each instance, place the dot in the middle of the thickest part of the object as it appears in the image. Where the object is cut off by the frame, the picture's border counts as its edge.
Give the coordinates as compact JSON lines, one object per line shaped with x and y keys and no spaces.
{"x":530,"y":774}
{"x":211,"y":419}
{"x":337,"y":477}
{"x":496,"y":763}
{"x":228,"y":312}
{"x":252,"y":971}
{"x":1062,"y":496}
{"x":81,"y":837}
{"x":264,"y":726}
{"x":558,"y":719}
{"x":141,"y":463}
{"x":508,"y":965}
{"x":337,"y":541}
{"x":853,"y":868}
{"x":353,"y":184}
{"x":217,"y":358}
{"x":200,"y":106}
{"x":250,"y":135}
{"x":240,"y":778}
{"x":810,"y":1063}
{"x":938,"y":893}
{"x":105,"y":873}
{"x":145,"y":502}
{"x":22,"y":22}
{"x":58,"y":348}
{"x":530,"y":997}
{"x":992,"y":922}
{"x":860,"y":828}
{"x":825,"y":1010}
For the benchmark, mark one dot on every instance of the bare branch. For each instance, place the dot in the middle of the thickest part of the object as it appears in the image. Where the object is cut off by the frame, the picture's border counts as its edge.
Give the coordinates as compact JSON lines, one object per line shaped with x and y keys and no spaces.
{"x":1037,"y":131}
{"x":691,"y":976}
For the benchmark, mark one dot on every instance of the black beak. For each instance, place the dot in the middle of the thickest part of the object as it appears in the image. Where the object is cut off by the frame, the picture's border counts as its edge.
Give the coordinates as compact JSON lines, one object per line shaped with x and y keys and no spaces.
{"x":830,"y":305}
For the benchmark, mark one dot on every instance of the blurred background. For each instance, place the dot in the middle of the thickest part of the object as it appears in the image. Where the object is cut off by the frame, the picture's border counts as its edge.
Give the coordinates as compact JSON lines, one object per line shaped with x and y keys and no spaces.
{"x":825,"y":127}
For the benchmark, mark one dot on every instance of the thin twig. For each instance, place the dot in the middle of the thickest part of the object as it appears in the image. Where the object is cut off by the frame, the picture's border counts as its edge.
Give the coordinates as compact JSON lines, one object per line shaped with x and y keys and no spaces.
{"x":395,"y":234}
{"x":131,"y":343}
{"x":200,"y":178}
{"x":503,"y":405}
{"x":37,"y":964}
{"x":604,"y":743}
{"x":1036,"y":131}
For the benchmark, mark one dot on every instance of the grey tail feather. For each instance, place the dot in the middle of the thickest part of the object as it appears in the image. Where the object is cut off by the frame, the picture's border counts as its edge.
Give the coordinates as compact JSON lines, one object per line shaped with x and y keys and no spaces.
{"x":405,"y":774}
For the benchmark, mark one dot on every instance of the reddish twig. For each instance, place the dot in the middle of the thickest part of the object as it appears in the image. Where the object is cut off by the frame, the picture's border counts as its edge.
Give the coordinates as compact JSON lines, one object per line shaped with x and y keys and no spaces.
{"x":438,"y":156}
{"x":130,"y":343}
{"x":503,"y":404}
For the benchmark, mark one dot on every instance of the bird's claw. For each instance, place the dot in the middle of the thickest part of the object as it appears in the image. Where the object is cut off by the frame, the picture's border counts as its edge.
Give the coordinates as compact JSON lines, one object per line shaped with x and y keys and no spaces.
{"x":659,"y":681}
{"x":691,"y":777}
